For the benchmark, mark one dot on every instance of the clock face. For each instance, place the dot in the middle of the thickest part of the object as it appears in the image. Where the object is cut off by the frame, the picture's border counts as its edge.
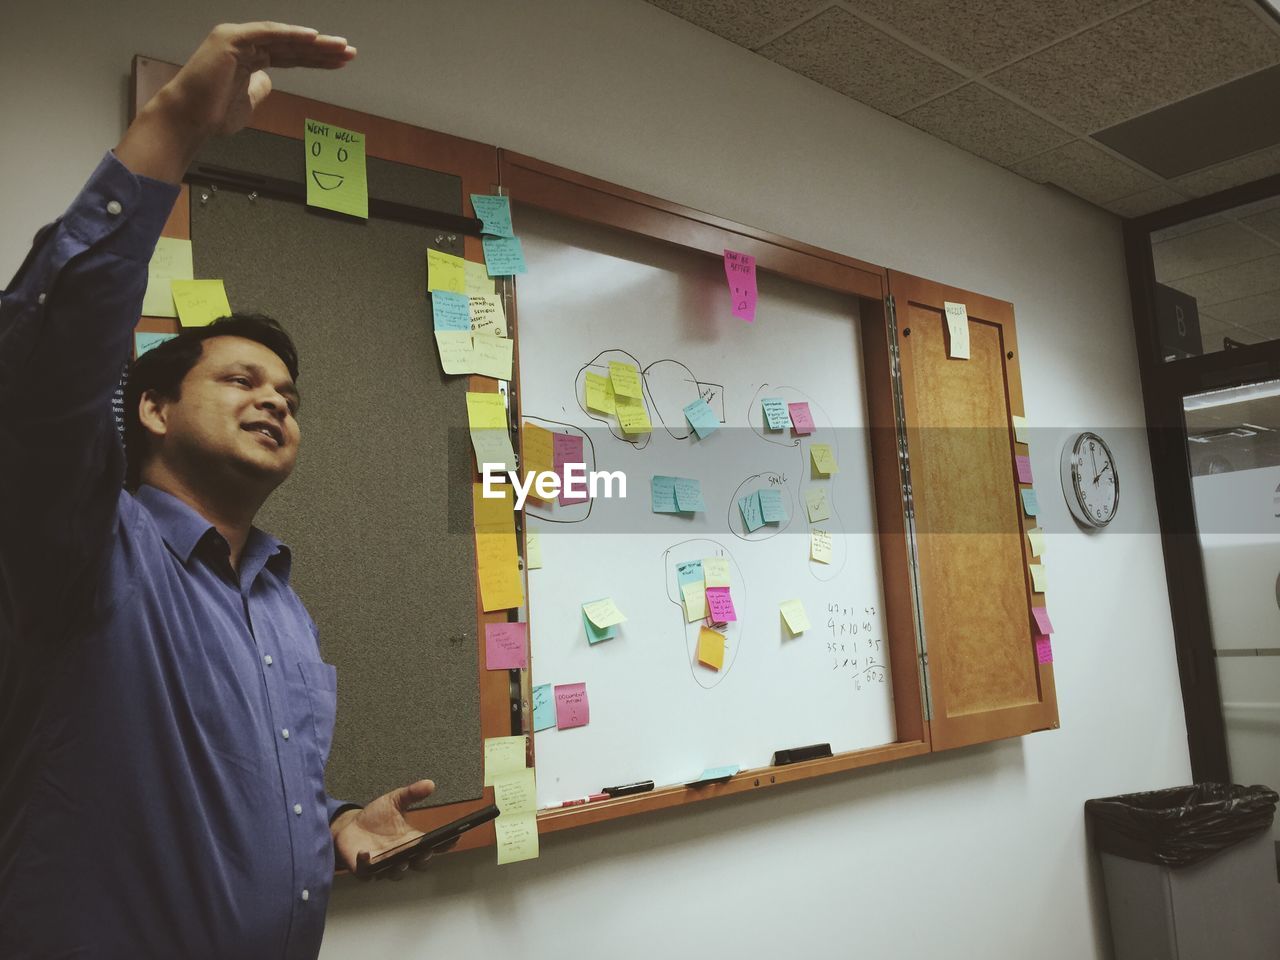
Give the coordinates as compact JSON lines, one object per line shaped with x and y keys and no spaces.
{"x":1089,"y":480}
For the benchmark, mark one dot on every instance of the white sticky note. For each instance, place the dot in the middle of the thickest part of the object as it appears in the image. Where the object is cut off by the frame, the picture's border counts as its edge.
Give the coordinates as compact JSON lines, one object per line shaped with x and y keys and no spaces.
{"x":820,"y":546}
{"x":1020,"y":429}
{"x":958,"y":326}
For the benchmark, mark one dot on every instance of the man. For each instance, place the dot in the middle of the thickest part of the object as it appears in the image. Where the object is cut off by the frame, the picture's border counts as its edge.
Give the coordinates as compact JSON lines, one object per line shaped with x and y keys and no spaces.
{"x":164,"y":712}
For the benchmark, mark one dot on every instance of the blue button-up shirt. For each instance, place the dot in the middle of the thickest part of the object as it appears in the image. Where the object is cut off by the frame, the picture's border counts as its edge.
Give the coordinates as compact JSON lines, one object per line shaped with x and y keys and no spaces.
{"x":165,"y":721}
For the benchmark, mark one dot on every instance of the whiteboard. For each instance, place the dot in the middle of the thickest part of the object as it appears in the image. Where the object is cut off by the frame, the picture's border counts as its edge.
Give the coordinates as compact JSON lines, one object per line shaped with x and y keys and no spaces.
{"x":592,"y":295}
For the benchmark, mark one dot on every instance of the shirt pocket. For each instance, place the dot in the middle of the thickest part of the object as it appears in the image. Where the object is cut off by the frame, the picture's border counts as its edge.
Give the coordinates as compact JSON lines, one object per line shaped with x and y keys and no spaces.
{"x":321,"y":682}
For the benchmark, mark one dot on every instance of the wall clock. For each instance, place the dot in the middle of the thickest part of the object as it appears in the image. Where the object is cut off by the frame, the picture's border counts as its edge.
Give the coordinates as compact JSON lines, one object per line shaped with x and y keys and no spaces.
{"x":1090,"y":483}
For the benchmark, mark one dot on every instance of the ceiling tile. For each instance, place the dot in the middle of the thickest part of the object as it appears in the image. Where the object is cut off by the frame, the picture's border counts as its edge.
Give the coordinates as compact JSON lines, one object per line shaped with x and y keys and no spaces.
{"x":1268,"y":224}
{"x":987,"y":124}
{"x":1156,"y":54}
{"x":1187,"y":226}
{"x":1206,"y":250}
{"x":1234,"y":282}
{"x":1255,"y":166}
{"x":1148,"y":201}
{"x":846,"y":54}
{"x":747,"y":23}
{"x":980,"y":35}
{"x":1087,"y":171}
{"x":1251,"y":312}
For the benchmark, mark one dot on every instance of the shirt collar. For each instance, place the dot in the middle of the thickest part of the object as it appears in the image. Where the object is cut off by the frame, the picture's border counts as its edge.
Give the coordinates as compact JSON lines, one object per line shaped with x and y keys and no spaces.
{"x":183,"y":529}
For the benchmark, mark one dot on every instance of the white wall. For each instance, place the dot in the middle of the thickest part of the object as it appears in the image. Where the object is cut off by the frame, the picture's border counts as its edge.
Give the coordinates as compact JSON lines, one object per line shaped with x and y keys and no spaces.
{"x":980,"y":853}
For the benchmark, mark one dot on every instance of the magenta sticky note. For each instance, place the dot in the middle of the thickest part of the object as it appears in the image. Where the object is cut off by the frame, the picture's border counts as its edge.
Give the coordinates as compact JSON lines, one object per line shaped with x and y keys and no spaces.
{"x":1044,"y":650}
{"x":720,"y":605}
{"x":801,"y":418}
{"x":572,"y":708}
{"x":740,"y":271}
{"x":1024,"y":469}
{"x":567,"y":448}
{"x":505,"y":647}
{"x":1042,"y":619}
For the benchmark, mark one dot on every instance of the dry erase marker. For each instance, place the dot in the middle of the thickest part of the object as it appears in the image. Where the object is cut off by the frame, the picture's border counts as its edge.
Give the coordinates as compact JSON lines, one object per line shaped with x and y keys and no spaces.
{"x":642,"y":786}
{"x":581,"y":800}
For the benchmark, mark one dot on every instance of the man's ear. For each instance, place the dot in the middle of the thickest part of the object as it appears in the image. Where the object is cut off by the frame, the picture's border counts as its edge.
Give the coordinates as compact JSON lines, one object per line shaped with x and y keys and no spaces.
{"x":153,"y":410}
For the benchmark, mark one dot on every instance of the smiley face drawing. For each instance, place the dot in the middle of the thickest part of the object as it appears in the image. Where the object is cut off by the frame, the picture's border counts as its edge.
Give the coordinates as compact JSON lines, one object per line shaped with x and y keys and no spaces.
{"x":335,"y":162}
{"x":323,"y":180}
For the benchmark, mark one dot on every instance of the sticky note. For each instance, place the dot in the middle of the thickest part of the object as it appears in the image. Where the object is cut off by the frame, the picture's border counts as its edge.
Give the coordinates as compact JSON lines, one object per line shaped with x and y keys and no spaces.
{"x":503,"y":256}
{"x":142,"y":342}
{"x":486,"y":314}
{"x":824,"y":460}
{"x":820,"y":546}
{"x":958,"y":328}
{"x":702,"y":418}
{"x":200,"y":302}
{"x":476,"y":281}
{"x":711,"y":648}
{"x":603,"y":613}
{"x":493,"y":447}
{"x":793,"y":613}
{"x":1039,"y":579}
{"x":626,"y":380}
{"x":1044,"y":650}
{"x":815,"y":500}
{"x":1030,"y":503}
{"x":572,"y":706}
{"x":544,"y":707}
{"x":720,"y":605}
{"x":1041,"y":616}
{"x":491,"y":356}
{"x":596,"y":634}
{"x":801,"y":418}
{"x":715,"y":570}
{"x":503,"y":756}
{"x":1036,"y":536}
{"x":712,"y":774}
{"x":663,"y":494}
{"x":505,"y":646}
{"x":517,"y":838}
{"x":771,"y":507}
{"x":486,"y":411}
{"x":1020,"y":429}
{"x":170,"y":261}
{"x":538,"y":448}
{"x":456,"y":354}
{"x":740,"y":271}
{"x":495,"y":213}
{"x":336,"y":178}
{"x":516,"y":793}
{"x":532,"y":550}
{"x":497,"y":563}
{"x":1024,"y":468}
{"x":633,"y":417}
{"x":695,"y":602}
{"x":450,"y":311}
{"x":599,"y":393}
{"x":752,"y":514}
{"x":446,"y":272}
{"x":690,"y":571}
{"x":566,"y":448}
{"x":775,"y":413}
{"x":689,"y":495}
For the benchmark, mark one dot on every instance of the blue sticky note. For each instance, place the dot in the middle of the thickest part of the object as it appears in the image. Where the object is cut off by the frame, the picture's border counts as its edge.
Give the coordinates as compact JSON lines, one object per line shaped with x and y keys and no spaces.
{"x":771,"y":508}
{"x":450,"y":311}
{"x":1030,"y":503}
{"x":663,"y":490}
{"x":702,"y":418}
{"x":752,"y":515}
{"x":712,"y":774}
{"x":689,"y":572}
{"x":689,"y":496}
{"x":775,"y":412}
{"x":142,"y":342}
{"x":544,"y":707}
{"x":495,"y":212}
{"x":503,"y":256}
{"x":596,"y":634}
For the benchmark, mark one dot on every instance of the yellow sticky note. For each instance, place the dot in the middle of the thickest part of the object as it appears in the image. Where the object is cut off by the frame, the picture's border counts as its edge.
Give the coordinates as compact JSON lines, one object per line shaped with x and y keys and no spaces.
{"x":532,"y":551}
{"x":497,"y":564}
{"x":794,"y":614}
{"x":516,"y":793}
{"x":626,"y":380}
{"x":517,"y":838}
{"x":445,"y":272}
{"x":476,"y":280}
{"x":715,"y":571}
{"x":632,"y":415}
{"x":711,"y":648}
{"x":486,"y":411}
{"x":603,"y":613}
{"x":815,"y":499}
{"x":455,"y":351}
{"x":491,"y":356}
{"x":493,"y":514}
{"x":171,"y":261}
{"x":600,"y":393}
{"x":824,"y":460}
{"x":539,"y":449}
{"x":487,"y":315}
{"x":958,"y":328}
{"x":336,"y":177}
{"x":1038,"y":577}
{"x":1036,"y":536}
{"x":200,"y":302}
{"x":695,"y":602}
{"x":1020,"y":429}
{"x":503,"y":756}
{"x":820,"y":546}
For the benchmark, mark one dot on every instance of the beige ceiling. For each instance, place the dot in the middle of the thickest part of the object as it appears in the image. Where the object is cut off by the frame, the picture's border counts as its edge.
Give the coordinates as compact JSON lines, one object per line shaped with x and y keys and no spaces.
{"x":1022,"y":83}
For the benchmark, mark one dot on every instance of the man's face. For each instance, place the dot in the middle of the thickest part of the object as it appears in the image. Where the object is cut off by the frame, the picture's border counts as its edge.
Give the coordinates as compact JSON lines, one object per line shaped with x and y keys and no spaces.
{"x":236,"y":414}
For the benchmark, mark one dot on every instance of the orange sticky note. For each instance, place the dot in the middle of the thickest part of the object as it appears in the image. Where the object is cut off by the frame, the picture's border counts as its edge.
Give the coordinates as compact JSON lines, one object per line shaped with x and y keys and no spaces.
{"x":539,"y":451}
{"x":497,"y":562}
{"x":711,"y":648}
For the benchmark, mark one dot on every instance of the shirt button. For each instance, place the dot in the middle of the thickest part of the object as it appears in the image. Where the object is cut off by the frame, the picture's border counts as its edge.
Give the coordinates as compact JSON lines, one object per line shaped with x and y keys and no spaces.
{"x":297,"y":808}
{"x":285,"y":733}
{"x":306,"y":894}
{"x":113,"y":207}
{"x":267,"y":660}
{"x":41,"y":299}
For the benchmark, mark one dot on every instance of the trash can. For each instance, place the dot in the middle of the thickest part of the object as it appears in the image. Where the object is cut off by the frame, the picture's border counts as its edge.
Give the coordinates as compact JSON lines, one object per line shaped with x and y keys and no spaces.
{"x":1190,"y":872}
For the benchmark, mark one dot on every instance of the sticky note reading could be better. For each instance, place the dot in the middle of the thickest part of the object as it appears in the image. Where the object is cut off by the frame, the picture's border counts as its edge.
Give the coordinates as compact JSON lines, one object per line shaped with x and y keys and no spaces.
{"x":824,"y":460}
{"x":572,"y":706}
{"x":801,"y":418}
{"x":170,"y":261}
{"x":503,"y":256}
{"x":820,"y":546}
{"x":336,"y":178}
{"x":200,"y":302}
{"x":544,"y":707}
{"x":958,"y":330}
{"x":506,"y":647}
{"x":794,"y":614}
{"x":702,"y":418}
{"x":711,"y":648}
{"x":446,"y":272}
{"x":740,"y":271}
{"x":495,"y":214}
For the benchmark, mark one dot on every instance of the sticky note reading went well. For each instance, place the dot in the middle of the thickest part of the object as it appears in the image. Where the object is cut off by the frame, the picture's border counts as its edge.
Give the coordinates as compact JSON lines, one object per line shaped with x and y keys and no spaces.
{"x":801,"y":418}
{"x":820,"y":546}
{"x":1030,"y":503}
{"x":1024,"y":469}
{"x":170,"y":261}
{"x":824,"y":460}
{"x":740,"y":271}
{"x":503,"y":256}
{"x":720,"y":605}
{"x":450,"y":311}
{"x":599,"y":392}
{"x":626,"y":380}
{"x":711,"y":648}
{"x":1041,"y":616}
{"x":1036,"y":537}
{"x":200,"y":302}
{"x":503,"y":756}
{"x":794,"y":614}
{"x":495,"y":214}
{"x":752,"y":514}
{"x":446,"y":272}
{"x":142,"y":342}
{"x":486,"y":314}
{"x":958,"y":328}
{"x":771,"y":507}
{"x":336,"y":178}
{"x":815,"y":500}
{"x":702,"y":418}
{"x":775,"y":413}
{"x":544,"y":707}
{"x":715,"y":571}
{"x":572,"y":706}
{"x":603,"y":613}
{"x":695,"y":601}
{"x":505,"y":646}
{"x":1039,"y":579}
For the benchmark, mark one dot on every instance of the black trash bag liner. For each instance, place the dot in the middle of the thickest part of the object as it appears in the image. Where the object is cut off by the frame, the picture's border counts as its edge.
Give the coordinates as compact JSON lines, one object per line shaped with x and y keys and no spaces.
{"x":1180,"y":826}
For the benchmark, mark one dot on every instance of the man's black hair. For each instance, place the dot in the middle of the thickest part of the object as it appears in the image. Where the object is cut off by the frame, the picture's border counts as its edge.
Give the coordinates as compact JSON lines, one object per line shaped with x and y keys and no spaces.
{"x":163,"y":368}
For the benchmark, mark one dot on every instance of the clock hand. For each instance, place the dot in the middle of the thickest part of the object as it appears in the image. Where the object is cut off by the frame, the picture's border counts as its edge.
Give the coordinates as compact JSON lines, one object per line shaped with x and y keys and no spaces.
{"x":1094,"y":457}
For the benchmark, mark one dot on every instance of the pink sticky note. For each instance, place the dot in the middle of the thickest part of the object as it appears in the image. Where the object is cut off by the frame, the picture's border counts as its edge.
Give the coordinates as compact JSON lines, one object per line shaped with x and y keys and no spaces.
{"x":567,"y":448}
{"x":505,"y":647}
{"x":1024,"y":469}
{"x":740,"y":271}
{"x":801,"y":418}
{"x":1044,"y":650}
{"x":720,"y":604}
{"x":572,"y":708}
{"x":1042,"y":619}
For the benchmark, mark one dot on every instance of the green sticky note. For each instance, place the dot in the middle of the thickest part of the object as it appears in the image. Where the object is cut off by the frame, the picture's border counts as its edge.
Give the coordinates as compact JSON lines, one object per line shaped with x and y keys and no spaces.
{"x":495,"y":212}
{"x":689,"y":495}
{"x":775,"y":412}
{"x":142,"y":342}
{"x":170,"y":261}
{"x":663,"y":492}
{"x":504,"y":256}
{"x":752,"y":515}
{"x":336,"y":178}
{"x":771,"y":508}
{"x":544,"y":707}
{"x":1030,"y":502}
{"x":702,"y":418}
{"x":200,"y":302}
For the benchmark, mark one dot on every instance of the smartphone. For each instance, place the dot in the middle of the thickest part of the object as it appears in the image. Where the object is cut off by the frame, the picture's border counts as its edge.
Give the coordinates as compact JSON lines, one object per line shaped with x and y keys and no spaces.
{"x":371,"y":866}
